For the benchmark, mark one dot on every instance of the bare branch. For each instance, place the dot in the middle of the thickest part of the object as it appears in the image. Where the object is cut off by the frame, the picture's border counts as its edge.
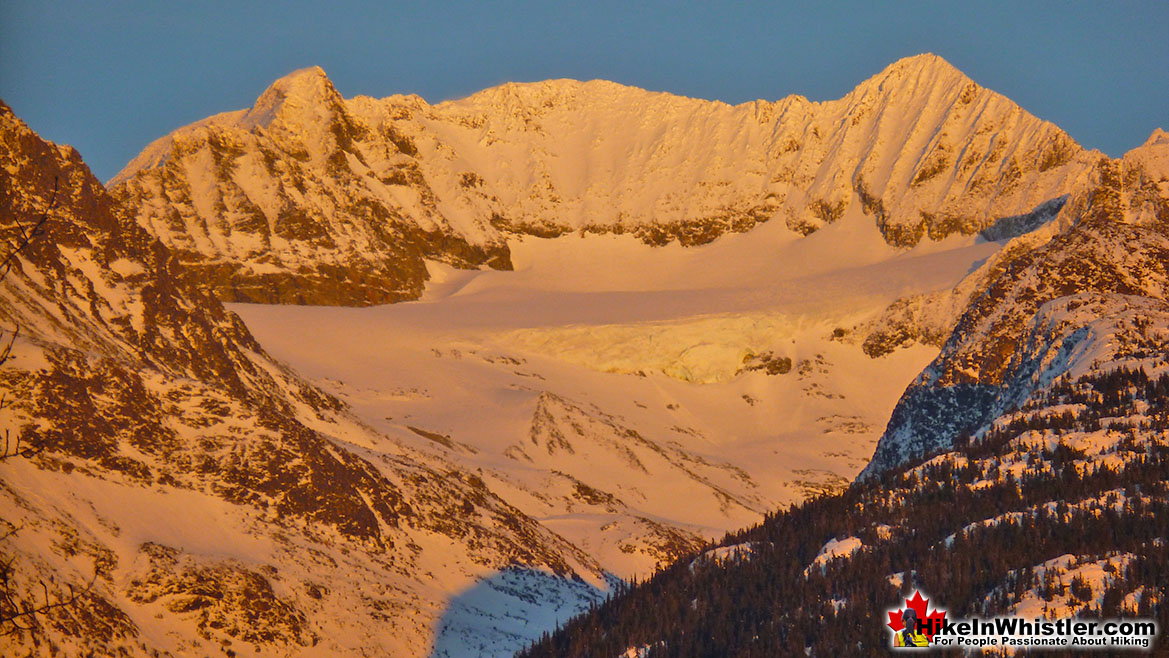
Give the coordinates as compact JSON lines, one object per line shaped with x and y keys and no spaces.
{"x":27,"y":234}
{"x":6,"y":350}
{"x":17,"y":616}
{"x":10,"y":448}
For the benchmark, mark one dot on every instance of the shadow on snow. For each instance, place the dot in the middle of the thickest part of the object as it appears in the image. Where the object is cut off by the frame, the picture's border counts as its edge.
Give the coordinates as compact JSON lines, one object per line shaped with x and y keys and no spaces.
{"x":506,"y":611}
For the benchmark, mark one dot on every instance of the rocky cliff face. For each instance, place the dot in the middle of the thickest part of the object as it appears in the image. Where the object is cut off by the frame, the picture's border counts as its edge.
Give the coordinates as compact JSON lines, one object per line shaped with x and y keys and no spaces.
{"x":310,"y":198}
{"x":1085,"y":292}
{"x":213,"y":501}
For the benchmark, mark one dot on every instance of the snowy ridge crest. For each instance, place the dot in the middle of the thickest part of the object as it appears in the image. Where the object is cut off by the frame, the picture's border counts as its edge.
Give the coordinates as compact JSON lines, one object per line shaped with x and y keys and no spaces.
{"x":305,"y":188}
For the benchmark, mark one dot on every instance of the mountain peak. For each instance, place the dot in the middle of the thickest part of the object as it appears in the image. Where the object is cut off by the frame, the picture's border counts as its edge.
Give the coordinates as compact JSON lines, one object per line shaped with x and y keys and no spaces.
{"x":1153,"y":155}
{"x":1158,"y":137}
{"x":1158,"y":142}
{"x":303,"y":89}
{"x":922,"y":61}
{"x":924,"y":66}
{"x":301,"y":79}
{"x":925,"y":75}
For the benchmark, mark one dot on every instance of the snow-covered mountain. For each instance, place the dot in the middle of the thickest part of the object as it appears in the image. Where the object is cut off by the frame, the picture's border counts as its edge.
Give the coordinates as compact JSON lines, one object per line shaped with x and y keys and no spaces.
{"x":286,"y":200}
{"x":641,"y":321}
{"x":449,"y":476}
{"x":203,"y":498}
{"x":1085,"y":292}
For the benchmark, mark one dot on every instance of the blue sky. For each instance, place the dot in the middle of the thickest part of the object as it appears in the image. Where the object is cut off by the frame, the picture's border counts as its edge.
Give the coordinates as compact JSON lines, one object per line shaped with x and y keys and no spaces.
{"x":109,"y":77}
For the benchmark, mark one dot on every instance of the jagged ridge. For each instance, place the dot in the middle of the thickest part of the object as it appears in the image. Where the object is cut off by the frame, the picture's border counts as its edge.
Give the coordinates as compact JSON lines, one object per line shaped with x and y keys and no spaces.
{"x":309,"y":198}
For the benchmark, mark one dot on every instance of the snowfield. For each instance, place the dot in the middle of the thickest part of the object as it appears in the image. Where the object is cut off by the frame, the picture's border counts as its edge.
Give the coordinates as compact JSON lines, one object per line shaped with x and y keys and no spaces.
{"x":604,"y":381}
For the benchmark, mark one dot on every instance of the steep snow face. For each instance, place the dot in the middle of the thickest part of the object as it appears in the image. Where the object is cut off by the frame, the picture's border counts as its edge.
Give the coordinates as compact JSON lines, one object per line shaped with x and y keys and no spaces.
{"x":1086,"y":292}
{"x":214,"y":499}
{"x":313,"y":199}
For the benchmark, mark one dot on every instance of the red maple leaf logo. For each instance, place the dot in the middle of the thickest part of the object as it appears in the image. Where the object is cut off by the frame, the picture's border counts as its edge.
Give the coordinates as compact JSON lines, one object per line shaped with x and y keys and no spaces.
{"x":933,"y":621}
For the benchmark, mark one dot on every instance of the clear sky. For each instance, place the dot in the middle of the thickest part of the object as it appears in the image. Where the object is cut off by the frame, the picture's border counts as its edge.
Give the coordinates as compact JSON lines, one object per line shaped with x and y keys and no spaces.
{"x":109,"y":77}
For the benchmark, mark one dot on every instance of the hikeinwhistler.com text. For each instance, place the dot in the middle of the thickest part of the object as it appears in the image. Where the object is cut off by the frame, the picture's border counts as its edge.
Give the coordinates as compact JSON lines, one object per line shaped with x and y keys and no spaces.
{"x":1042,"y":633}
